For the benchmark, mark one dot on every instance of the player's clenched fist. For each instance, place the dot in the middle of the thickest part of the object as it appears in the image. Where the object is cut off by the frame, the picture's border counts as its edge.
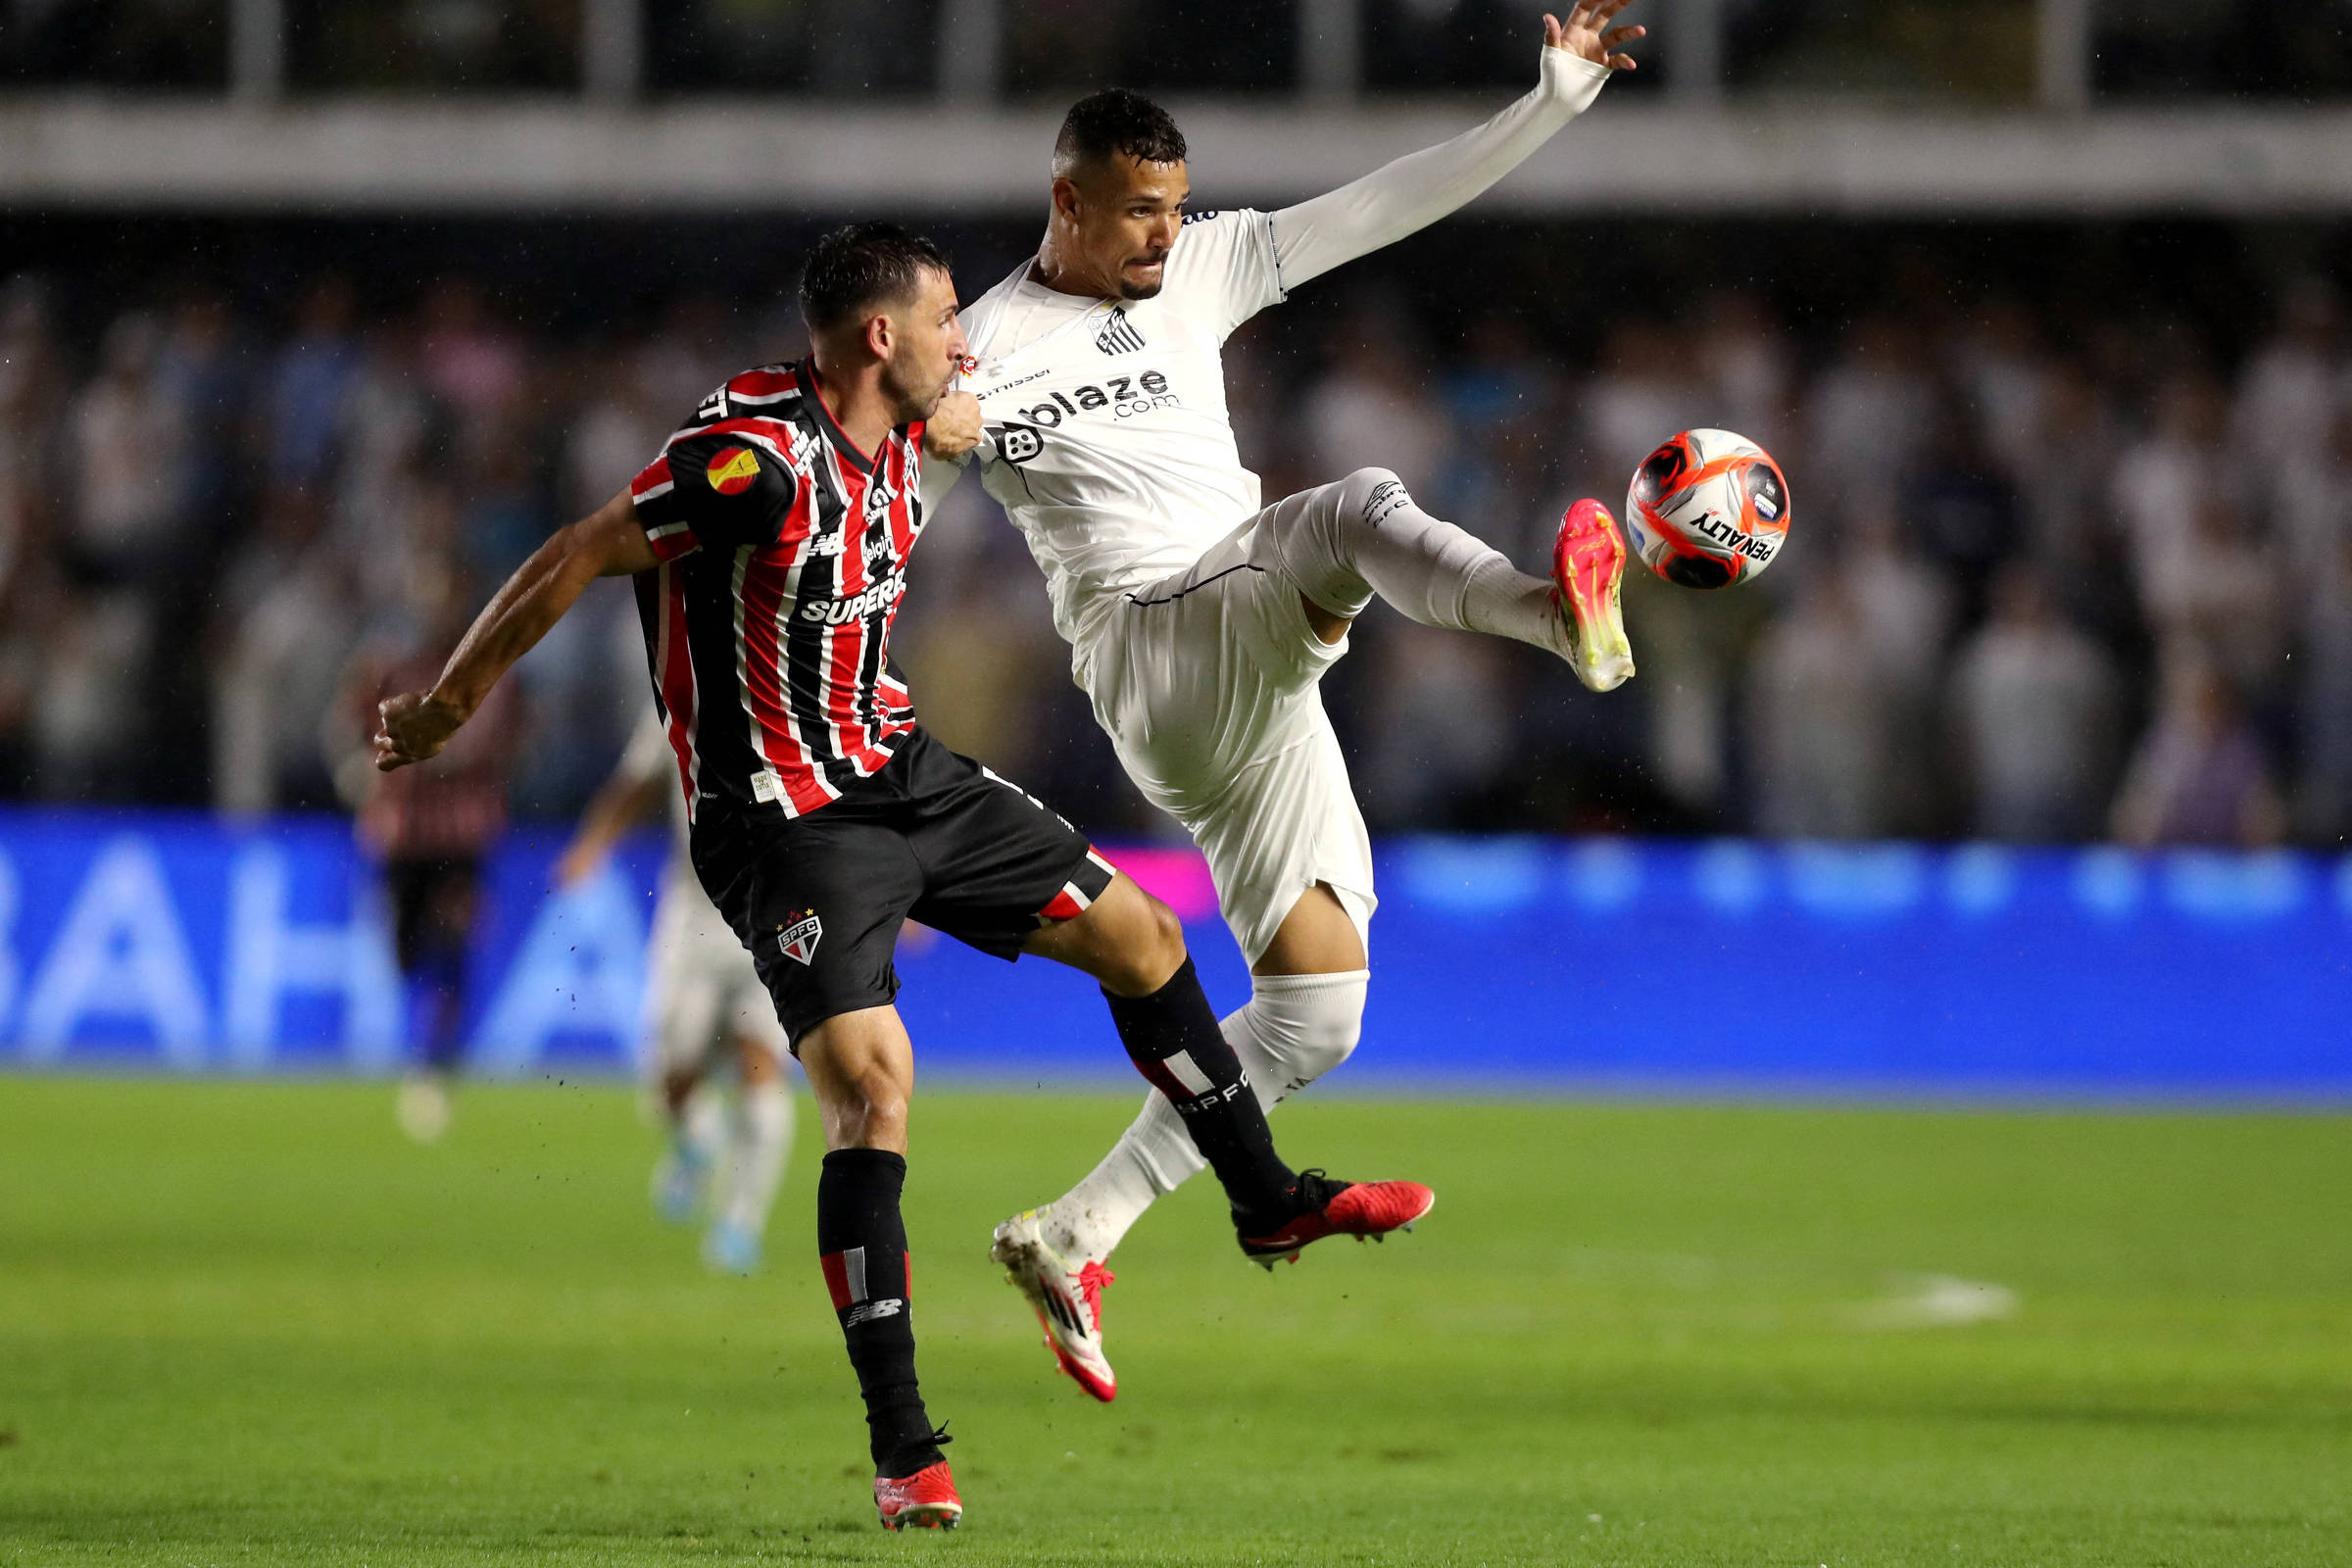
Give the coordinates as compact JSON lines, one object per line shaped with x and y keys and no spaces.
{"x":411,"y":727}
{"x":954,"y":427}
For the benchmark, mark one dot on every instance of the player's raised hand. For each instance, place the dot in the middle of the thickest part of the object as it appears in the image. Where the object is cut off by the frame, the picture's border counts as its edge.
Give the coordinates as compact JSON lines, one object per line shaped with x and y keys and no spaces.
{"x":411,"y":727}
{"x":954,"y":427}
{"x":1587,"y":35}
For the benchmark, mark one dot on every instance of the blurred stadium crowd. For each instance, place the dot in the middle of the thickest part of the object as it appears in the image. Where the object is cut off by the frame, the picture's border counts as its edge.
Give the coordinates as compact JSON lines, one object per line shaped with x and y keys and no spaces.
{"x":1979,"y":51}
{"x":2054,"y":575}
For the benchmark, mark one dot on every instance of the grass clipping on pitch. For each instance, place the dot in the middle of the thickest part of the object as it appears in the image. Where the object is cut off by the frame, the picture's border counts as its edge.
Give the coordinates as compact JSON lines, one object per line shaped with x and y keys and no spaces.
{"x":247,"y":1324}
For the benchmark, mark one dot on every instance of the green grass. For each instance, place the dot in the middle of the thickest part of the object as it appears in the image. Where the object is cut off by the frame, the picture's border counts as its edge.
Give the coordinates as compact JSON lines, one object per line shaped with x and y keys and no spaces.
{"x":247,"y":1324}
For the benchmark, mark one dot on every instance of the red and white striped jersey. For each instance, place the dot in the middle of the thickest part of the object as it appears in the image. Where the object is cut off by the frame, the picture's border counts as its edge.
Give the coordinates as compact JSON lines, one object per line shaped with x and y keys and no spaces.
{"x":783,"y":554}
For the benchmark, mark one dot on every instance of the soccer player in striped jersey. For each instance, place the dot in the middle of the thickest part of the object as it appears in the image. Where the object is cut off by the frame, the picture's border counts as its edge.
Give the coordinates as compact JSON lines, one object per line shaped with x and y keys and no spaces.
{"x":770,"y":544}
{"x":1200,"y":622}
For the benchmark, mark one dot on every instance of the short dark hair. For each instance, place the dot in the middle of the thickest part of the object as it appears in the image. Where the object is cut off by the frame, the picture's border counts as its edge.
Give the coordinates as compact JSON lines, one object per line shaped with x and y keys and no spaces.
{"x":1116,"y":123}
{"x":863,"y":265}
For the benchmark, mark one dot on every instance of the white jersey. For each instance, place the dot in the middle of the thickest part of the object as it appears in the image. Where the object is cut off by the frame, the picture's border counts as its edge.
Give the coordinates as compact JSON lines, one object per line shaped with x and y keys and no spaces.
{"x":1108,"y":443}
{"x":1107,"y":440}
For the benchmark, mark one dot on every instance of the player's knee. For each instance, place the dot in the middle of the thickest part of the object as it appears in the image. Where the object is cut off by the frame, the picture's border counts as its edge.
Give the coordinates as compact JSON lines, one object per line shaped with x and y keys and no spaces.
{"x":871,"y":1112}
{"x":1363,"y":493}
{"x":1310,"y":1023}
{"x":1327,"y":1036}
{"x":1151,"y":950}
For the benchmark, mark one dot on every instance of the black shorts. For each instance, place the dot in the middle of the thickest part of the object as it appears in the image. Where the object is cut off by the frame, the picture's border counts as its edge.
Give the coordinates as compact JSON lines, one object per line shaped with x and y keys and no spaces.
{"x":935,"y":837}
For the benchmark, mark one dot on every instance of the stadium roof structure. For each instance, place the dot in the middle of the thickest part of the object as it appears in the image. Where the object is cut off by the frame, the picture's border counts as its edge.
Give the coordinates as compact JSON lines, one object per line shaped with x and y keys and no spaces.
{"x":1772,"y":156}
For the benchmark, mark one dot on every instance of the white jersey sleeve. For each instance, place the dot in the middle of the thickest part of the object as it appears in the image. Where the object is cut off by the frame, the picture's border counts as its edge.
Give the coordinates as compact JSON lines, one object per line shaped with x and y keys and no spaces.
{"x":1222,"y":270}
{"x":1413,"y":192}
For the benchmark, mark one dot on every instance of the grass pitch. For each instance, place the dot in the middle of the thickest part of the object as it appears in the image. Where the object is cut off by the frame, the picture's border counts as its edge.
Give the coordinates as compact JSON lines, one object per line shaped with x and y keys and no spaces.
{"x":247,"y":1324}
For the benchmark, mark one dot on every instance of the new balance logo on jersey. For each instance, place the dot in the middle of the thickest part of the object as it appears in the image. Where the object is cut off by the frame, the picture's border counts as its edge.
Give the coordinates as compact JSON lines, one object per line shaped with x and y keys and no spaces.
{"x":868,"y":1311}
{"x":797,"y":941}
{"x":1118,"y":336}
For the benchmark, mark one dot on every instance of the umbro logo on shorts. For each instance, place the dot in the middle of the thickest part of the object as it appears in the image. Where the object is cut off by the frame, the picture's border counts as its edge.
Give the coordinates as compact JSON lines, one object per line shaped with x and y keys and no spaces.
{"x":1118,"y":336}
{"x":1386,"y":498}
{"x":797,"y":941}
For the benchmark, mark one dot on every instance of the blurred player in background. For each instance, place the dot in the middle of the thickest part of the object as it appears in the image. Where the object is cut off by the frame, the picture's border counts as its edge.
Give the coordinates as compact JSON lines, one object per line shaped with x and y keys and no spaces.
{"x":707,"y":1015}
{"x":769,"y":542}
{"x":1200,"y":624}
{"x":428,"y":829}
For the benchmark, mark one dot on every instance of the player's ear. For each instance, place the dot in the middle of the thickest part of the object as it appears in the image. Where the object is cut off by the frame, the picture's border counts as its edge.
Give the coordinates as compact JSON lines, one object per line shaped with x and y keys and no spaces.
{"x":880,"y":335}
{"x":1065,"y":198}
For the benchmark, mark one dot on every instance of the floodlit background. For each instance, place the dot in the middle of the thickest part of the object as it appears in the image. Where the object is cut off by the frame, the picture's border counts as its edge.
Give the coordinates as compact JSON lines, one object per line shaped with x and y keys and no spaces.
{"x":318,"y":314}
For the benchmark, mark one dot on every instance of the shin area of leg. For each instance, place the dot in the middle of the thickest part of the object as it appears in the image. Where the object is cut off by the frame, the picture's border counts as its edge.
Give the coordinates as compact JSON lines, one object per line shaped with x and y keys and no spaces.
{"x":1343,"y":543}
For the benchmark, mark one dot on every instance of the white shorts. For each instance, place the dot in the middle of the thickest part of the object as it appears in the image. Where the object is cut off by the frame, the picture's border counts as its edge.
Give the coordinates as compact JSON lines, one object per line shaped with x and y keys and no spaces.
{"x":1206,"y":683}
{"x":705,"y":996}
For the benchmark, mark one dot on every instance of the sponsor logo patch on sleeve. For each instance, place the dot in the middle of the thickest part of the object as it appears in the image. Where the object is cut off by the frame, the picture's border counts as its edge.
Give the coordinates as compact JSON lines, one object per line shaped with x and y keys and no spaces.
{"x":732,"y":471}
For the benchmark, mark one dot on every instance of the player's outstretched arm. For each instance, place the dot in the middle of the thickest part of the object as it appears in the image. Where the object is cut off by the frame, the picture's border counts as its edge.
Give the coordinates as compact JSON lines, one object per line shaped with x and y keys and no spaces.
{"x":1402,"y":198}
{"x":415,"y":725}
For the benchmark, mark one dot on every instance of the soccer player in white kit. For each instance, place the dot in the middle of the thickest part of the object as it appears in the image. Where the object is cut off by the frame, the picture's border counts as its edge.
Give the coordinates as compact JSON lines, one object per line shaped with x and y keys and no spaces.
{"x":1200,"y":624}
{"x":707,"y":1017}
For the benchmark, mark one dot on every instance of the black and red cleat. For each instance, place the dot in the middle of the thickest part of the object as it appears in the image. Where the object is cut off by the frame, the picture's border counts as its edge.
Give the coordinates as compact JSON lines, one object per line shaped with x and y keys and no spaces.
{"x":923,"y":1501}
{"x":1340,"y":1209}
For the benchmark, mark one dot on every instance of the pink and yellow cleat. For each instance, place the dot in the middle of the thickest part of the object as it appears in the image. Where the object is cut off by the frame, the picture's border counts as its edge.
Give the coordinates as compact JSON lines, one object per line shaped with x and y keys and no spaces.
{"x":1588,"y":571}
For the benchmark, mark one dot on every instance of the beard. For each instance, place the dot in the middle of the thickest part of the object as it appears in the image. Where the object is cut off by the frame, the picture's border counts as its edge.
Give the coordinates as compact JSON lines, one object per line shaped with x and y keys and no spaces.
{"x":1140,"y":291}
{"x":915,"y":392}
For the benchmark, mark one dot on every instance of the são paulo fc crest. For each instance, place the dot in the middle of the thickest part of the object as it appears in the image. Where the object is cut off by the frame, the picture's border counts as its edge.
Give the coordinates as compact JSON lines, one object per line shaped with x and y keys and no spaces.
{"x":797,"y":941}
{"x":732,"y":471}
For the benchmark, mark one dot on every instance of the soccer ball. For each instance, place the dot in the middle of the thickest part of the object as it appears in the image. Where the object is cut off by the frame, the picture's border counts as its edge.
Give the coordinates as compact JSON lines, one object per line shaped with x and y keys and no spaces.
{"x":1707,"y":509}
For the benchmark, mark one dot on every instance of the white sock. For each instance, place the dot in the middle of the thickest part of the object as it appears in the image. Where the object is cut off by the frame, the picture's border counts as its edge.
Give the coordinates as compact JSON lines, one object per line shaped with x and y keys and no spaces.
{"x":1292,"y":1030}
{"x":762,"y":1142}
{"x":1345,"y":542}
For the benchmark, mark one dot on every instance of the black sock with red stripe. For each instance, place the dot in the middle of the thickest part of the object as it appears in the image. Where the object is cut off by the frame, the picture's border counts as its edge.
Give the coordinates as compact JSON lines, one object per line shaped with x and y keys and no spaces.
{"x":1173,"y":1038}
{"x":863,"y":1243}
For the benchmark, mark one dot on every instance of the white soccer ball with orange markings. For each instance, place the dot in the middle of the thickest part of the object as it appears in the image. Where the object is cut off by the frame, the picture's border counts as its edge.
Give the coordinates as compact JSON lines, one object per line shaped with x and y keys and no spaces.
{"x":1707,"y":509}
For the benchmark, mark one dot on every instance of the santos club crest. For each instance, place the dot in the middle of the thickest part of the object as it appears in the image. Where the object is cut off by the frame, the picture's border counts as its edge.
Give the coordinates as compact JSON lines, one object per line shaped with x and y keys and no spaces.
{"x":798,"y":940}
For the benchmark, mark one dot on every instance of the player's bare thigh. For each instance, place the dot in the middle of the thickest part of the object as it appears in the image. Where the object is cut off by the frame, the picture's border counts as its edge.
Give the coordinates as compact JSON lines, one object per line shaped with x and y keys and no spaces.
{"x":1127,"y":939}
{"x":1317,"y":936}
{"x":1329,"y":629}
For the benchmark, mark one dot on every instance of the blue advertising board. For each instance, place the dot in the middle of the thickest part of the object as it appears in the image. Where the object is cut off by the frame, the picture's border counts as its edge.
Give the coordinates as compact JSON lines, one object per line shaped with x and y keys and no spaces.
{"x":183,"y":942}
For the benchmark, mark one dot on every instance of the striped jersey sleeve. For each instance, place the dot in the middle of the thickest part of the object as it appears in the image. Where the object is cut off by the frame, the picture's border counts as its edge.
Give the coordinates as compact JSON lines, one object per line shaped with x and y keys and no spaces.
{"x":713,"y":488}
